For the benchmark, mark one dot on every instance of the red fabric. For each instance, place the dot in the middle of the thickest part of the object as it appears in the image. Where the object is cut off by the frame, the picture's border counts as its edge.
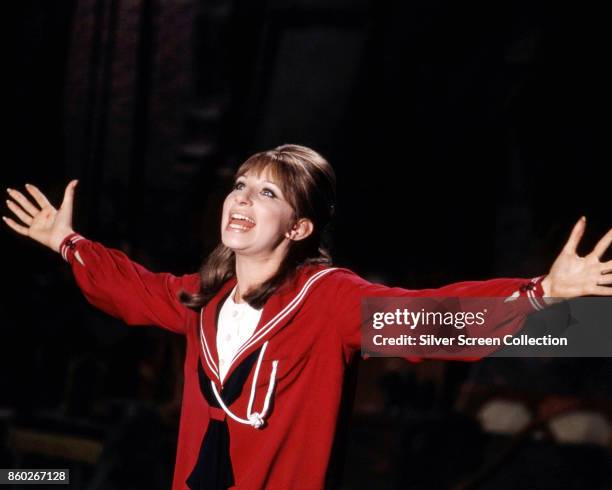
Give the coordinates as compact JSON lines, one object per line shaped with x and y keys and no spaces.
{"x":216,"y":413}
{"x":313,"y":339}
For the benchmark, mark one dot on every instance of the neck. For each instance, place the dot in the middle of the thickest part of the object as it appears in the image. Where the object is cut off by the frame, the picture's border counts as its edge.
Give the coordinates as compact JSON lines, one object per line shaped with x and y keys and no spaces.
{"x":253,"y":271}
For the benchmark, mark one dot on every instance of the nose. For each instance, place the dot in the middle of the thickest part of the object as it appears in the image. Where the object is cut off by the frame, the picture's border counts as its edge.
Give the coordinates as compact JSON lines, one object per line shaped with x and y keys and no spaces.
{"x":243,"y":197}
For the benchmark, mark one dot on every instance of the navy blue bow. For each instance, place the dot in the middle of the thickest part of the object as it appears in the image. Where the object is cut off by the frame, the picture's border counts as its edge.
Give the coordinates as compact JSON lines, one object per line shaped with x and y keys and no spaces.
{"x":213,"y":469}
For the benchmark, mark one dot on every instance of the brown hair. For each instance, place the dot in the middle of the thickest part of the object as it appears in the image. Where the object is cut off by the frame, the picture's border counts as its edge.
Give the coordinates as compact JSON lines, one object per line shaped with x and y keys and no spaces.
{"x":308,"y":183}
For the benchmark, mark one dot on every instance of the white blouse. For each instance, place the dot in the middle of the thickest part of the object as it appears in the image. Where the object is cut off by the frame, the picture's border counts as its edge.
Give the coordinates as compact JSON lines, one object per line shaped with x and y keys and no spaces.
{"x":237,"y":322}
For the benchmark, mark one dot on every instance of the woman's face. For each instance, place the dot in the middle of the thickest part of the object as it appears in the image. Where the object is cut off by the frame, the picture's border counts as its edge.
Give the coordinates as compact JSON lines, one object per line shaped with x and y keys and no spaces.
{"x":256,"y":217}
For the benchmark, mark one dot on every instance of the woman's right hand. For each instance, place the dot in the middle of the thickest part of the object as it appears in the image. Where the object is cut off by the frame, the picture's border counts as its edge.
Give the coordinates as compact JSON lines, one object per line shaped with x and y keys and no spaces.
{"x":42,"y":223}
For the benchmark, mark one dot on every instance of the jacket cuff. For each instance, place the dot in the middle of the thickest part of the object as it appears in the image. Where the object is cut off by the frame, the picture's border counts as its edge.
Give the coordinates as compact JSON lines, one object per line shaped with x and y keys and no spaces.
{"x":534,"y":292}
{"x":68,"y":247}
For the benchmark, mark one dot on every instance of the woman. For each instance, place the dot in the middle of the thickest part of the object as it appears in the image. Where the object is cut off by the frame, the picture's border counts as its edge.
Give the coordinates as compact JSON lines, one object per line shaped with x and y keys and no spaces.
{"x":270,"y":325}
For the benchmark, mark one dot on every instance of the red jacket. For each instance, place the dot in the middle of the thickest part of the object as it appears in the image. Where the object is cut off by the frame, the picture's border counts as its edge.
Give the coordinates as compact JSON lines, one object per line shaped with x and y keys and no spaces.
{"x":312,"y":327}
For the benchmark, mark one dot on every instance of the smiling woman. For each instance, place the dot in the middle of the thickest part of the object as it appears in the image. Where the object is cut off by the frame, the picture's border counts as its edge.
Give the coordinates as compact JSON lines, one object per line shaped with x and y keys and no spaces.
{"x":270,"y":325}
{"x":272,"y":222}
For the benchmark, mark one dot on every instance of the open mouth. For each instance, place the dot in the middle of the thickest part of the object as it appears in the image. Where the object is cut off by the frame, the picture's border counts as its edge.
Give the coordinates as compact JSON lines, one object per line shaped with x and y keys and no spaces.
{"x":240,"y":222}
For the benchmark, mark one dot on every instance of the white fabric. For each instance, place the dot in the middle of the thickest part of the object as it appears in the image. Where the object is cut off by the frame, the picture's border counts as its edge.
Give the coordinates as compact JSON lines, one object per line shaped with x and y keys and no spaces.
{"x":237,"y":322}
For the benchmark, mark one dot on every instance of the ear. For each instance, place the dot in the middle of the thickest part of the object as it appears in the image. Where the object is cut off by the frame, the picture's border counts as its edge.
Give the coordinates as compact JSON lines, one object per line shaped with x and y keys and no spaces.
{"x":301,"y":229}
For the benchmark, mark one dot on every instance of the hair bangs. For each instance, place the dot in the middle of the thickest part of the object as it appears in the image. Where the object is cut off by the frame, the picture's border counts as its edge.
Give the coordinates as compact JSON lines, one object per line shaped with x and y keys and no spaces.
{"x":281,"y":173}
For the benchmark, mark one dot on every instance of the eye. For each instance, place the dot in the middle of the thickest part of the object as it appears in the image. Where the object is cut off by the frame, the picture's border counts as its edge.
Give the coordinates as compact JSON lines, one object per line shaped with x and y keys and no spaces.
{"x":238,"y":186}
{"x":268,"y":192}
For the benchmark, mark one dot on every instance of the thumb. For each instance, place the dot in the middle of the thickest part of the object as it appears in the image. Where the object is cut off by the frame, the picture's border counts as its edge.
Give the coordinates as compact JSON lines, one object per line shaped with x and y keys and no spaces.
{"x":575,"y":236}
{"x":67,"y":203}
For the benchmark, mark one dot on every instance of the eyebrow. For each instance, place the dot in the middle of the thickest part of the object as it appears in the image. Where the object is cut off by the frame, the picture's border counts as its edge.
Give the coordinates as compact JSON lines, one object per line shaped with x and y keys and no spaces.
{"x":243,"y":176}
{"x":271,"y":183}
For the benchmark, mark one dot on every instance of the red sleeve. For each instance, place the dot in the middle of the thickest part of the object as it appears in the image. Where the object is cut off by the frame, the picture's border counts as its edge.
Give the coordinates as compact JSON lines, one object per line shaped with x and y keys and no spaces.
{"x":124,"y":289}
{"x":349,"y":289}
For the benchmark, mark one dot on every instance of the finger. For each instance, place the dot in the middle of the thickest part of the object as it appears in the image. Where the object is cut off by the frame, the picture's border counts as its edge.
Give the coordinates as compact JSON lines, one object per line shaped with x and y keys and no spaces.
{"x":69,"y":197}
{"x":603,"y":244}
{"x":22,"y":230}
{"x":606,"y":267}
{"x":20,"y":213}
{"x":23,"y":202}
{"x":38,"y":196}
{"x":606,"y":279}
{"x":575,"y":236}
{"x":602,"y":291}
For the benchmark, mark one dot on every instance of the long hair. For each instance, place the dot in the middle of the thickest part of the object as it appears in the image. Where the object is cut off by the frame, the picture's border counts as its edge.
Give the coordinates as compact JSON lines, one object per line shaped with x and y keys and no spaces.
{"x":308,"y":183}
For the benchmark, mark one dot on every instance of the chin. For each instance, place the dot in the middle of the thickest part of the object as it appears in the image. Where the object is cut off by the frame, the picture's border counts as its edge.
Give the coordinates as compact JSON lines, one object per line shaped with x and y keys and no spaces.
{"x":233,"y":243}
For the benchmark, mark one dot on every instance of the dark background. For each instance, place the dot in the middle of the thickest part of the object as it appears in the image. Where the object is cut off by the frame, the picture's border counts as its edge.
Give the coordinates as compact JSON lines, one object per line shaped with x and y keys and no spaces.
{"x":467,"y":137}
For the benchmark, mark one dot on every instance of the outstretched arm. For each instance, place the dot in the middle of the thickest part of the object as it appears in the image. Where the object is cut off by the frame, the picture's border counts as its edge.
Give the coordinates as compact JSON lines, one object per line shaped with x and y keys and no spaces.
{"x":505,"y":316}
{"x":570,"y":276}
{"x":108,"y":278}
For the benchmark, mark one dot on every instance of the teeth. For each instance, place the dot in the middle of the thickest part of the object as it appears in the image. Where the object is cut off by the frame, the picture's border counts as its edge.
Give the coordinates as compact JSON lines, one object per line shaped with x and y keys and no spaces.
{"x":242,"y":217}
{"x":238,"y":227}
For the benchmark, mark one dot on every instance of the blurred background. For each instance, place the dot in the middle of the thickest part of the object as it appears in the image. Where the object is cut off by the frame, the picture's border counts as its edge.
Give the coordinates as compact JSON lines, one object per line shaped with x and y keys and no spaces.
{"x":468,"y":137}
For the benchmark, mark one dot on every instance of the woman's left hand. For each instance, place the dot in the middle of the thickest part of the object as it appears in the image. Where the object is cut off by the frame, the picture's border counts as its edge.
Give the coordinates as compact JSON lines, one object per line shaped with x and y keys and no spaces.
{"x":571,"y":275}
